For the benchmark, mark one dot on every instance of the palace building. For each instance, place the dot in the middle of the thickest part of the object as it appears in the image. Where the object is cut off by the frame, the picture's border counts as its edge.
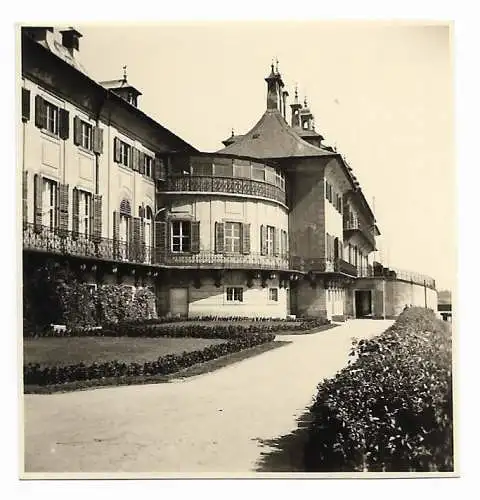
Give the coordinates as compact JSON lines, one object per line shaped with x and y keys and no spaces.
{"x":273,"y":224}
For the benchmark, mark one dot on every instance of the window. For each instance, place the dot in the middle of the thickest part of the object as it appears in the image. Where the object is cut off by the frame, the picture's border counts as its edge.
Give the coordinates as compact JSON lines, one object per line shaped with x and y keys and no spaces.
{"x":124,"y":227}
{"x":148,"y":162}
{"x":258,"y":172}
{"x":270,"y":240}
{"x":327,"y":190}
{"x":180,"y":236}
{"x":273,"y":294}
{"x":49,"y":203}
{"x":280,"y":179}
{"x":232,"y":237}
{"x":234,"y":294}
{"x":284,"y":243}
{"x":86,"y":135}
{"x":52,"y":118}
{"x":125,"y":154}
{"x":270,"y":175}
{"x":84,"y":208}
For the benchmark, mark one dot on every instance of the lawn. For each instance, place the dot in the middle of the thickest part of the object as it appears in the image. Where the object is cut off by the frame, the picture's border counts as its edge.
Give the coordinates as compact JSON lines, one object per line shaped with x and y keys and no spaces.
{"x":71,"y":350}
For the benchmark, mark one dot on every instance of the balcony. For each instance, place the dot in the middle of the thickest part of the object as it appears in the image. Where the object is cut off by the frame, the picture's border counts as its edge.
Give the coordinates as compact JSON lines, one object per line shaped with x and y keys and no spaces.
{"x":43,"y":239}
{"x":323,"y":266}
{"x":229,"y":185}
{"x":354,"y":227}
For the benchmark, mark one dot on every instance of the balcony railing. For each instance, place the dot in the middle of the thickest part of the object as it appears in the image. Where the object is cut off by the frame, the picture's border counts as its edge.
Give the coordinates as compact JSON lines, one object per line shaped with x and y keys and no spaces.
{"x":75,"y":244}
{"x":231,"y":185}
{"x":68,"y":243}
{"x":322,"y":265}
{"x":401,"y":274}
{"x":350,"y":226}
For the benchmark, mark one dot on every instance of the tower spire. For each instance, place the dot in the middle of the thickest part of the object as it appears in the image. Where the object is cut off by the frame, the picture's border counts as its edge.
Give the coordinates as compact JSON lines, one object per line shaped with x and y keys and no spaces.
{"x":125,"y":73}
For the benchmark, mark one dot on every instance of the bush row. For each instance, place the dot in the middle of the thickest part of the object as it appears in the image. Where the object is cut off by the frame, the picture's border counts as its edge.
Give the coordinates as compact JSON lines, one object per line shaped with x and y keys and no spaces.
{"x":35,"y":374}
{"x":188,"y":329}
{"x":391,"y":408}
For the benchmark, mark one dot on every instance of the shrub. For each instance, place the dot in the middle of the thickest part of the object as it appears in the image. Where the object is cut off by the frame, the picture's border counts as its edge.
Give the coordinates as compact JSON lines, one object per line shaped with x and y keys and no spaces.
{"x":35,"y":374}
{"x":391,"y":408}
{"x":195,"y":329}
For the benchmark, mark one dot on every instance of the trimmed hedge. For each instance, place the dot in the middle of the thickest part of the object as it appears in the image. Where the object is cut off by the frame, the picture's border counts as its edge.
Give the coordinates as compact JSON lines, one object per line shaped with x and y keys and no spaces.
{"x":156,"y":328}
{"x":391,"y":408}
{"x":35,"y":374}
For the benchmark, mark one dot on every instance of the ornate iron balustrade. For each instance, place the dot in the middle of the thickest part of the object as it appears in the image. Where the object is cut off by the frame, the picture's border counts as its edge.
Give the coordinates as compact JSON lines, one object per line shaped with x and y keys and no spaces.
{"x":59,"y":242}
{"x":354,"y":226}
{"x":231,"y":185}
{"x":364,"y":272}
{"x":322,"y":265}
{"x":212,"y":260}
{"x":68,"y":243}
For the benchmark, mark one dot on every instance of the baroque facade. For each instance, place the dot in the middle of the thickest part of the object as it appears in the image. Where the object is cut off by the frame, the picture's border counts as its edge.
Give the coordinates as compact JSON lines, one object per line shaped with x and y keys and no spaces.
{"x":273,"y":224}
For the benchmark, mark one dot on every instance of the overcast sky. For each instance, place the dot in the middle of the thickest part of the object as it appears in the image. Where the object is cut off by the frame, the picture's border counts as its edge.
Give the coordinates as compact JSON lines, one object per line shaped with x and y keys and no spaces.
{"x":382,"y":93}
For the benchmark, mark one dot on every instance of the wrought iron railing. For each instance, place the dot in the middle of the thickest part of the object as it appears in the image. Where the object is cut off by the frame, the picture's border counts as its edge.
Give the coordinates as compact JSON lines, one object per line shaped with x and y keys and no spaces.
{"x":69,"y":243}
{"x":42,"y":238}
{"x":231,"y":185}
{"x":355,"y":225}
{"x":322,"y":265}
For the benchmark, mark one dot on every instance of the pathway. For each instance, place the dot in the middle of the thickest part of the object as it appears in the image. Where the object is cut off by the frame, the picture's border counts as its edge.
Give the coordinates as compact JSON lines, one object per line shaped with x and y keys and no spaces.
{"x":210,"y":423}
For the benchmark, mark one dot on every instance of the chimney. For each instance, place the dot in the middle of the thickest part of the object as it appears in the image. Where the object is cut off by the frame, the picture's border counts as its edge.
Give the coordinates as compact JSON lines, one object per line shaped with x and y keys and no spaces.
{"x":284,"y":97}
{"x":37,"y":33}
{"x":296,"y":107}
{"x":70,"y":40}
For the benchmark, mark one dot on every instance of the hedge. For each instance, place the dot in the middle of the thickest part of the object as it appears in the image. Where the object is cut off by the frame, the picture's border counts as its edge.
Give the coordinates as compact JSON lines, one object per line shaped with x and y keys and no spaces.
{"x":391,"y":408}
{"x":35,"y":374}
{"x":158,"y":328}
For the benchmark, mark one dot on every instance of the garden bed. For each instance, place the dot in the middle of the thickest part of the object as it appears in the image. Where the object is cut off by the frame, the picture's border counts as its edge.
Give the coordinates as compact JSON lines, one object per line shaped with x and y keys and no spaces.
{"x":123,"y":361}
{"x":62,"y":351}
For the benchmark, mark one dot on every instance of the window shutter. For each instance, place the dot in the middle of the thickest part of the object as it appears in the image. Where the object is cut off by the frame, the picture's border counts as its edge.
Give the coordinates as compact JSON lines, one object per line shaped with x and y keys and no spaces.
{"x":63,"y":209}
{"x":276,"y":242}
{"x":40,"y":112}
{"x":57,"y":206}
{"x":63,"y":123}
{"x":25,"y":198}
{"x":25,"y":104}
{"x":134,"y":157}
{"x":97,"y":218}
{"x":77,"y":131}
{"x":245,"y":239}
{"x":142,"y":241}
{"x":136,"y":239}
{"x":116,"y":234}
{"x":195,"y":236}
{"x":263,"y":240}
{"x":159,"y":169}
{"x":37,"y":196}
{"x":98,"y":140}
{"x":116,"y":150}
{"x":160,"y":241}
{"x":141,"y":162}
{"x":219,"y":237}
{"x":141,"y":212}
{"x":130,"y":156}
{"x":75,"y":212}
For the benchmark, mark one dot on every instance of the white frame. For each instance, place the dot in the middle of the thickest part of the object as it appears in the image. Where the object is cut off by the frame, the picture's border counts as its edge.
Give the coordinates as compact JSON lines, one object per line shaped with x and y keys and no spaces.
{"x":180,"y":236}
{"x":233,"y":300}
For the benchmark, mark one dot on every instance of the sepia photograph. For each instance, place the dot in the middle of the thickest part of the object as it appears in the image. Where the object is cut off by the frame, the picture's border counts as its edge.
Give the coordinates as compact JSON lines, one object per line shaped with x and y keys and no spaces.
{"x":238,"y":249}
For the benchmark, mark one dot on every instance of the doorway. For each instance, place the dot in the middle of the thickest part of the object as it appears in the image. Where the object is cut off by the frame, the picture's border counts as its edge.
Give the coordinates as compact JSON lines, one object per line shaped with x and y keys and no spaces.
{"x":363,"y":303}
{"x":179,"y":301}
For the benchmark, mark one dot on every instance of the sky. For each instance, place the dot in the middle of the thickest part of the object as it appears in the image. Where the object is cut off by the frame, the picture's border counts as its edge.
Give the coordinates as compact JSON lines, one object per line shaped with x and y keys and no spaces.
{"x":381,"y":92}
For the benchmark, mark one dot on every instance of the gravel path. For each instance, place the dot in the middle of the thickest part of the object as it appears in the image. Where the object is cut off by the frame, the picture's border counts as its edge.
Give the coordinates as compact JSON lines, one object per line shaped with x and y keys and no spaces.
{"x":210,"y":423}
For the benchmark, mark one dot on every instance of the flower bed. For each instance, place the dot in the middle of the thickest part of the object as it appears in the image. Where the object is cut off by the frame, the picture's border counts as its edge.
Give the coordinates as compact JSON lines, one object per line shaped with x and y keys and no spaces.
{"x":36,"y":374}
{"x":219,"y":329}
{"x":391,"y":408}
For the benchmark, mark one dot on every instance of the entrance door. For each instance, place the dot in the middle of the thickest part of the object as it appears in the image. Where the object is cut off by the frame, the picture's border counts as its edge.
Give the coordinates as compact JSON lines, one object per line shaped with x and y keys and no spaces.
{"x":363,"y":303}
{"x":179,"y":301}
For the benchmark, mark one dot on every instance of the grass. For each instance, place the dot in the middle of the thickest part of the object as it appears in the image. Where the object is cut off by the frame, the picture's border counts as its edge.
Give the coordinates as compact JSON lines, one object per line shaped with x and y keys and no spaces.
{"x":317,"y":329}
{"x":72,"y":350}
{"x":192,"y":371}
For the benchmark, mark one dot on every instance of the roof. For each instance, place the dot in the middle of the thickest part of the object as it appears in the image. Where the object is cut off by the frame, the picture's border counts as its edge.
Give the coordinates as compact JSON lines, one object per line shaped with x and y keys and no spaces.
{"x":119,"y":84}
{"x":272,"y":137}
{"x":232,"y":139}
{"x":305,"y":132}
